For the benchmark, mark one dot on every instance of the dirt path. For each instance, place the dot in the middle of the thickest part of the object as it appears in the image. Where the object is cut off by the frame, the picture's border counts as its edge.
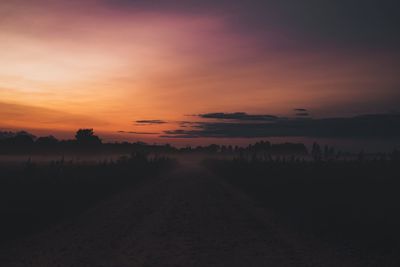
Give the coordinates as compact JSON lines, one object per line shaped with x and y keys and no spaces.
{"x":188,"y":218}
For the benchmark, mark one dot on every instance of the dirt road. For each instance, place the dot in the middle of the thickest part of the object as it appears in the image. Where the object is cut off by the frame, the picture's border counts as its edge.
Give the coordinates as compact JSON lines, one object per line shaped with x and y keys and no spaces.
{"x":187,"y":218}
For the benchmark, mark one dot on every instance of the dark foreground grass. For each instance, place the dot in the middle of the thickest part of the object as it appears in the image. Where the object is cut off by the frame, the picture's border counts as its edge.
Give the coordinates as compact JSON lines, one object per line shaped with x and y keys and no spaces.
{"x":352,"y":205}
{"x":34,"y":196}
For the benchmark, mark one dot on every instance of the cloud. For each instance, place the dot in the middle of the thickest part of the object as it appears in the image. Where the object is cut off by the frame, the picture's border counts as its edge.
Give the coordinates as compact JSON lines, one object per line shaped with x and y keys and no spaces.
{"x":301,"y":112}
{"x":241,"y":116}
{"x":27,"y":116}
{"x":346,"y":22}
{"x":365,"y":126}
{"x":147,"y":122}
{"x":131,"y":132}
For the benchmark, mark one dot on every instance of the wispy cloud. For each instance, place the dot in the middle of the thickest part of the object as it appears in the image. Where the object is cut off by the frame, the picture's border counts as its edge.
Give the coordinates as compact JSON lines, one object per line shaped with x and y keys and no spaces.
{"x":377,"y":125}
{"x":139,"y":133}
{"x":241,"y":116}
{"x":147,"y":122}
{"x":27,"y":116}
{"x":300,"y":110}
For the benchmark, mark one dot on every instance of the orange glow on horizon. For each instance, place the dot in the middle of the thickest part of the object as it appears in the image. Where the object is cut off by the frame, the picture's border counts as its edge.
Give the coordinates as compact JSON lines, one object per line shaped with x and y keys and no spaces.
{"x":64,"y":68}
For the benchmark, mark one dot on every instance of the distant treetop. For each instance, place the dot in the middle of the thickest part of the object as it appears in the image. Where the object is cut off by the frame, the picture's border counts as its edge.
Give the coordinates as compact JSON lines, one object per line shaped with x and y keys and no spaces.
{"x":87,"y":137}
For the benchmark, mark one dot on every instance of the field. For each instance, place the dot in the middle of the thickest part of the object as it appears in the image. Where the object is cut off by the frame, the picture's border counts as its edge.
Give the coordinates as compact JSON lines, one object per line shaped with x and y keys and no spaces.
{"x":34,"y":195}
{"x":201,"y":210}
{"x":353,"y":206}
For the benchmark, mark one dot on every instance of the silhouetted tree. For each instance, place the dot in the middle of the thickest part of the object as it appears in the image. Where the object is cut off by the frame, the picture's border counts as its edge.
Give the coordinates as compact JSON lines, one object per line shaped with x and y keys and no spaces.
{"x":87,"y":137}
{"x":22,"y":139}
{"x":213,"y":148}
{"x":6,"y":135}
{"x":316,"y":152}
{"x":46,"y":140}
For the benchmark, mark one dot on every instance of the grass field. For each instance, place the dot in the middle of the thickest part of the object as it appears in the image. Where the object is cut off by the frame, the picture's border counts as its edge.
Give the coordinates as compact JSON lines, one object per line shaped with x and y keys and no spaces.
{"x":352,"y":205}
{"x":36,"y":195}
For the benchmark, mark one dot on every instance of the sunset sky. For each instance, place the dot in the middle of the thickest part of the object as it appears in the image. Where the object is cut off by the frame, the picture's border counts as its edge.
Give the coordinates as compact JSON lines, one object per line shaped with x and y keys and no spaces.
{"x":148,"y":70}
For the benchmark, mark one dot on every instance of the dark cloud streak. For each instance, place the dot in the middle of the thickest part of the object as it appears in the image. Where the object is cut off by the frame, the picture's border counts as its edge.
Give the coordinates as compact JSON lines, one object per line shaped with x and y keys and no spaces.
{"x":366,"y":126}
{"x":241,"y":116}
{"x":147,"y":122}
{"x":131,"y":132}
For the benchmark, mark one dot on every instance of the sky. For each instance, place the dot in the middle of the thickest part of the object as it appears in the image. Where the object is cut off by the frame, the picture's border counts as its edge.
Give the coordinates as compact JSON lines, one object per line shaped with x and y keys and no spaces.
{"x":159,"y":70}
